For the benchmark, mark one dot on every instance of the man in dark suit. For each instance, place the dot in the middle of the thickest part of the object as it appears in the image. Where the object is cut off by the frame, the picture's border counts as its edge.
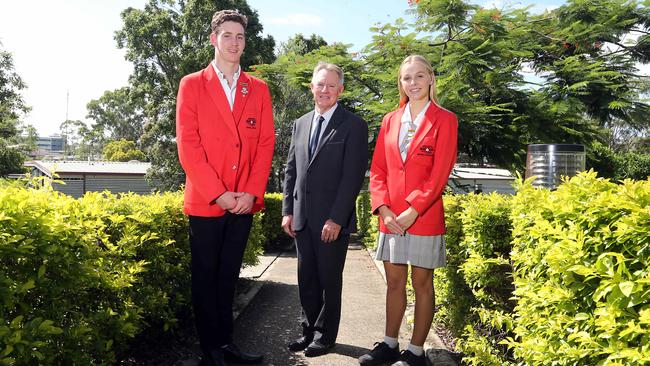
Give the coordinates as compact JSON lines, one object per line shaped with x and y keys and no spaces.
{"x":327,"y":162}
{"x":225,"y":137}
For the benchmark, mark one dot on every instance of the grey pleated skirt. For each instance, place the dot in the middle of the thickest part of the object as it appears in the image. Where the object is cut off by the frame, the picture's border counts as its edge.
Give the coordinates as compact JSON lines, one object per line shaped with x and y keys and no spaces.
{"x":416,"y":250}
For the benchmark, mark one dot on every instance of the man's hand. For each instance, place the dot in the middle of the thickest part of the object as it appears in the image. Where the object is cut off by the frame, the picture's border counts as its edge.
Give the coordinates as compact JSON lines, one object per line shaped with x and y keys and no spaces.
{"x":407,"y":218}
{"x":390,"y":220}
{"x":287,"y":221}
{"x":227,"y":200}
{"x":330,"y":231}
{"x":244,"y":203}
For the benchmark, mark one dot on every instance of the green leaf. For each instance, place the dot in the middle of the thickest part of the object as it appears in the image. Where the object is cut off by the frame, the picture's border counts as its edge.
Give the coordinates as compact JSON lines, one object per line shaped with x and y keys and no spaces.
{"x":626,"y":288}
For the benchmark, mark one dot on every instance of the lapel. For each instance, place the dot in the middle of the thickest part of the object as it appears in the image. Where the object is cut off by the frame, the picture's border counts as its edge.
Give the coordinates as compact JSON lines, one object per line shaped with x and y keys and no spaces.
{"x":303,"y":132}
{"x":215,"y":91}
{"x":242,"y":95}
{"x":335,"y":121}
{"x":430,"y":120}
{"x":393,"y":134}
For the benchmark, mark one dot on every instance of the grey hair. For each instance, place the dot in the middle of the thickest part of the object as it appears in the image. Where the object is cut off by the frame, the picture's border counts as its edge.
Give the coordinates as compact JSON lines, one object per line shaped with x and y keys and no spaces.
{"x":329,"y":67}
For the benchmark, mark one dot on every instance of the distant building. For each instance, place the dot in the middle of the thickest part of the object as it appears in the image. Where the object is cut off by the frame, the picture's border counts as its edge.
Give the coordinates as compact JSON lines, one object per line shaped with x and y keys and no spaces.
{"x":481,"y":180}
{"x":94,"y":176}
{"x":50,"y":146}
{"x":463,"y":180}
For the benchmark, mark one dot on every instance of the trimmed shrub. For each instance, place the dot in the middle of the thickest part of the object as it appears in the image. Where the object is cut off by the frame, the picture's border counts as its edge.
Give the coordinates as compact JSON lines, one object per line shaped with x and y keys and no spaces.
{"x":475,"y":286}
{"x":80,"y":277}
{"x":272,"y":221}
{"x":364,"y":215}
{"x":582,"y":268}
{"x":454,"y":298}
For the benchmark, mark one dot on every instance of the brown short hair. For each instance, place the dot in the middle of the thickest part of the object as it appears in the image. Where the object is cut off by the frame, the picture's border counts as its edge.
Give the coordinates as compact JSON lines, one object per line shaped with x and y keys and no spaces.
{"x":228,"y":15}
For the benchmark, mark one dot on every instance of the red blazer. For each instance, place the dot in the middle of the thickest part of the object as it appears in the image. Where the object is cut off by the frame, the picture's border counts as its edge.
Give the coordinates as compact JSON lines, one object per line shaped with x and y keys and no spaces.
{"x":222,"y":150}
{"x":420,"y":180}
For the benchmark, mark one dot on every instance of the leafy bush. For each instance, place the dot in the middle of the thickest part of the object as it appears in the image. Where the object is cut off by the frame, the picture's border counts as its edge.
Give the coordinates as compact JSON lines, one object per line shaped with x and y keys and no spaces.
{"x":454,"y":298}
{"x":618,"y":165}
{"x":80,"y":277}
{"x":582,"y":268}
{"x":272,"y":221}
{"x":364,"y":215}
{"x":475,"y":286}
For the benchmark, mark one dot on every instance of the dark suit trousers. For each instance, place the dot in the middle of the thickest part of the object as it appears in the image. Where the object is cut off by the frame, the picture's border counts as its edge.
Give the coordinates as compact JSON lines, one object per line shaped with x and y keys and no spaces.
{"x":217,"y":245}
{"x":320,"y":281}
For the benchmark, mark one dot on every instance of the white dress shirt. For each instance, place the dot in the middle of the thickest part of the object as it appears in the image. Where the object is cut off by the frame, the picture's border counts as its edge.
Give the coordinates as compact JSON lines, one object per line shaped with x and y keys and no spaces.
{"x":229,"y":90}
{"x":406,"y":119}
{"x":327,"y":115}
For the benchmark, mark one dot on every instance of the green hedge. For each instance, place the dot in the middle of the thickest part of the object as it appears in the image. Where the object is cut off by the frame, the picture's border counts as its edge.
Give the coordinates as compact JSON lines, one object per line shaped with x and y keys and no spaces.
{"x":475,"y":287}
{"x":80,"y":277}
{"x":272,"y":221}
{"x":550,"y":277}
{"x":582,"y":273}
{"x":367,"y":223}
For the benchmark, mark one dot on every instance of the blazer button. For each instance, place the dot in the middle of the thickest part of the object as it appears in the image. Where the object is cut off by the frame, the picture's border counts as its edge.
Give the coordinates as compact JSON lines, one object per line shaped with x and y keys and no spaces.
{"x":234,"y":167}
{"x":236,"y":145}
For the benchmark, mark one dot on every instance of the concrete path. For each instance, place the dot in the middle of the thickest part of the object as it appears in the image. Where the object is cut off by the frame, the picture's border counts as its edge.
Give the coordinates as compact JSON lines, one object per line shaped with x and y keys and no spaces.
{"x":270,"y":316}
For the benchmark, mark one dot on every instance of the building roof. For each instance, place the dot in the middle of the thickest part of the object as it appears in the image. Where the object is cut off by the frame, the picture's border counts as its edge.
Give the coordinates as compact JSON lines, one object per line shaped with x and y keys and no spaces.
{"x":480,"y":173}
{"x":89,"y":167}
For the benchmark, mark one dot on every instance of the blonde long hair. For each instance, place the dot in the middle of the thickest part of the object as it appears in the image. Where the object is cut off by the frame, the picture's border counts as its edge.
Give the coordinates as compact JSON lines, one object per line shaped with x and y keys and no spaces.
{"x":403,"y":98}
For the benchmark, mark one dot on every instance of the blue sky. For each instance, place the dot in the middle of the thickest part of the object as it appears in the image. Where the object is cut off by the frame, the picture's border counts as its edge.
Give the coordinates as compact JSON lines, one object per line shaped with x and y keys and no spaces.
{"x":67,"y":46}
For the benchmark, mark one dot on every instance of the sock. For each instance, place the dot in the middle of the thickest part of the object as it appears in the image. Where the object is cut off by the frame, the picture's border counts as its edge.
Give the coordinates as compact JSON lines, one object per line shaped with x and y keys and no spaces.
{"x":416,"y":350}
{"x":390,"y":341}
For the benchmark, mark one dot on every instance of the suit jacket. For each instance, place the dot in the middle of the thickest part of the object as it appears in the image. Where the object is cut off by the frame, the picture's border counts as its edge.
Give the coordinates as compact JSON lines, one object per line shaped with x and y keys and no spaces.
{"x":223,"y":150}
{"x":326,"y":186}
{"x":420,"y":179}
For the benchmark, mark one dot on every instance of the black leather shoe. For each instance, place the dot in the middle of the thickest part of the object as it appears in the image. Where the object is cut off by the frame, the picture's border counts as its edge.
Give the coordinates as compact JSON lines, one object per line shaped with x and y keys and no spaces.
{"x":301,"y":343}
{"x":409,"y":359}
{"x":233,"y":354}
{"x":380,"y":355}
{"x":213,"y":358}
{"x":316,"y":348}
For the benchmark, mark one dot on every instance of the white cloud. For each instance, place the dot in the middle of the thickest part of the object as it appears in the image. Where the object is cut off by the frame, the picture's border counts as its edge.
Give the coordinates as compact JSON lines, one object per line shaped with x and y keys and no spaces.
{"x":298,"y":19}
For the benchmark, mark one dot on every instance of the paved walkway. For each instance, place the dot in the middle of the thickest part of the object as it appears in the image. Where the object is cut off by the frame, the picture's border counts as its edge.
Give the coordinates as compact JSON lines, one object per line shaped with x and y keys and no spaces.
{"x":268,"y":314}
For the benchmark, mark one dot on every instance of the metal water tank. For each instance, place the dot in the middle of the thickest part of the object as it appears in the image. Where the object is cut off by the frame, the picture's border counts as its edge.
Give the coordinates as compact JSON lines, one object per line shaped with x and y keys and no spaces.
{"x":550,"y":162}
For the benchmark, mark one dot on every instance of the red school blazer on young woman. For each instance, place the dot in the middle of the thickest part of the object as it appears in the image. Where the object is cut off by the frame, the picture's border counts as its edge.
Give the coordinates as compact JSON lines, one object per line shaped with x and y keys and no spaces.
{"x":420,"y":179}
{"x":223,"y":150}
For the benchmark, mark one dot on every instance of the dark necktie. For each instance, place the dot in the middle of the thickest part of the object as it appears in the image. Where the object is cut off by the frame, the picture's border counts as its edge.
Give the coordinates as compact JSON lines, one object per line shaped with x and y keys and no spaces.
{"x":315,"y":137}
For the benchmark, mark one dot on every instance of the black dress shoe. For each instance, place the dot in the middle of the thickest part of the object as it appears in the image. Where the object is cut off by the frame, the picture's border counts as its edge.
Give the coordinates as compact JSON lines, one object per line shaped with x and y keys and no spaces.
{"x":233,"y":354}
{"x":301,"y":343}
{"x":213,"y":358}
{"x":316,"y":348}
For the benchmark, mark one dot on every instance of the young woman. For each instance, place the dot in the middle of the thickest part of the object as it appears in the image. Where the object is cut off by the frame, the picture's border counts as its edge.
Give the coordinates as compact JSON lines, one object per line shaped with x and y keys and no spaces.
{"x":415,"y":152}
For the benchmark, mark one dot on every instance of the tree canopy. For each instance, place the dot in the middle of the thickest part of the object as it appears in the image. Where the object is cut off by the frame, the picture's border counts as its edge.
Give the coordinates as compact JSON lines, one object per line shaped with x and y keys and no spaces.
{"x":166,"y":40}
{"x":12,"y":109}
{"x":122,"y":150}
{"x":567,"y":75}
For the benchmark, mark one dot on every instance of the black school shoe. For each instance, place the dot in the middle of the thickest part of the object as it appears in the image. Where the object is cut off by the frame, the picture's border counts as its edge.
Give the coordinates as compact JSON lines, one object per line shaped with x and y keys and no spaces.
{"x":317,"y":348}
{"x":381,"y":354}
{"x":300,"y":343}
{"x":407,"y":358}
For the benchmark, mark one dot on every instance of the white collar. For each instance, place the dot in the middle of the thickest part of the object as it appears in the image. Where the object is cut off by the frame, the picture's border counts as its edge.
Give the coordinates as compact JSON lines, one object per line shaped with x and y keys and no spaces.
{"x":328,"y":114}
{"x":406,"y":116}
{"x":222,"y":76}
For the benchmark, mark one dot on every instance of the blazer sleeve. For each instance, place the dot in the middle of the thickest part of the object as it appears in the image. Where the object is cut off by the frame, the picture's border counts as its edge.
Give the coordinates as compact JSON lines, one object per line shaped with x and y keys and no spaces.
{"x":379,"y":171}
{"x":290,"y":175}
{"x":191,"y":153}
{"x":261,"y":164}
{"x":445,"y":157}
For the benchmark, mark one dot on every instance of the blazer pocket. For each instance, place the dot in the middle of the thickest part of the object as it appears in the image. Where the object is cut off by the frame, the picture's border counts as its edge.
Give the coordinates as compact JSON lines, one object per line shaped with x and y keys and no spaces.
{"x":250,"y":128}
